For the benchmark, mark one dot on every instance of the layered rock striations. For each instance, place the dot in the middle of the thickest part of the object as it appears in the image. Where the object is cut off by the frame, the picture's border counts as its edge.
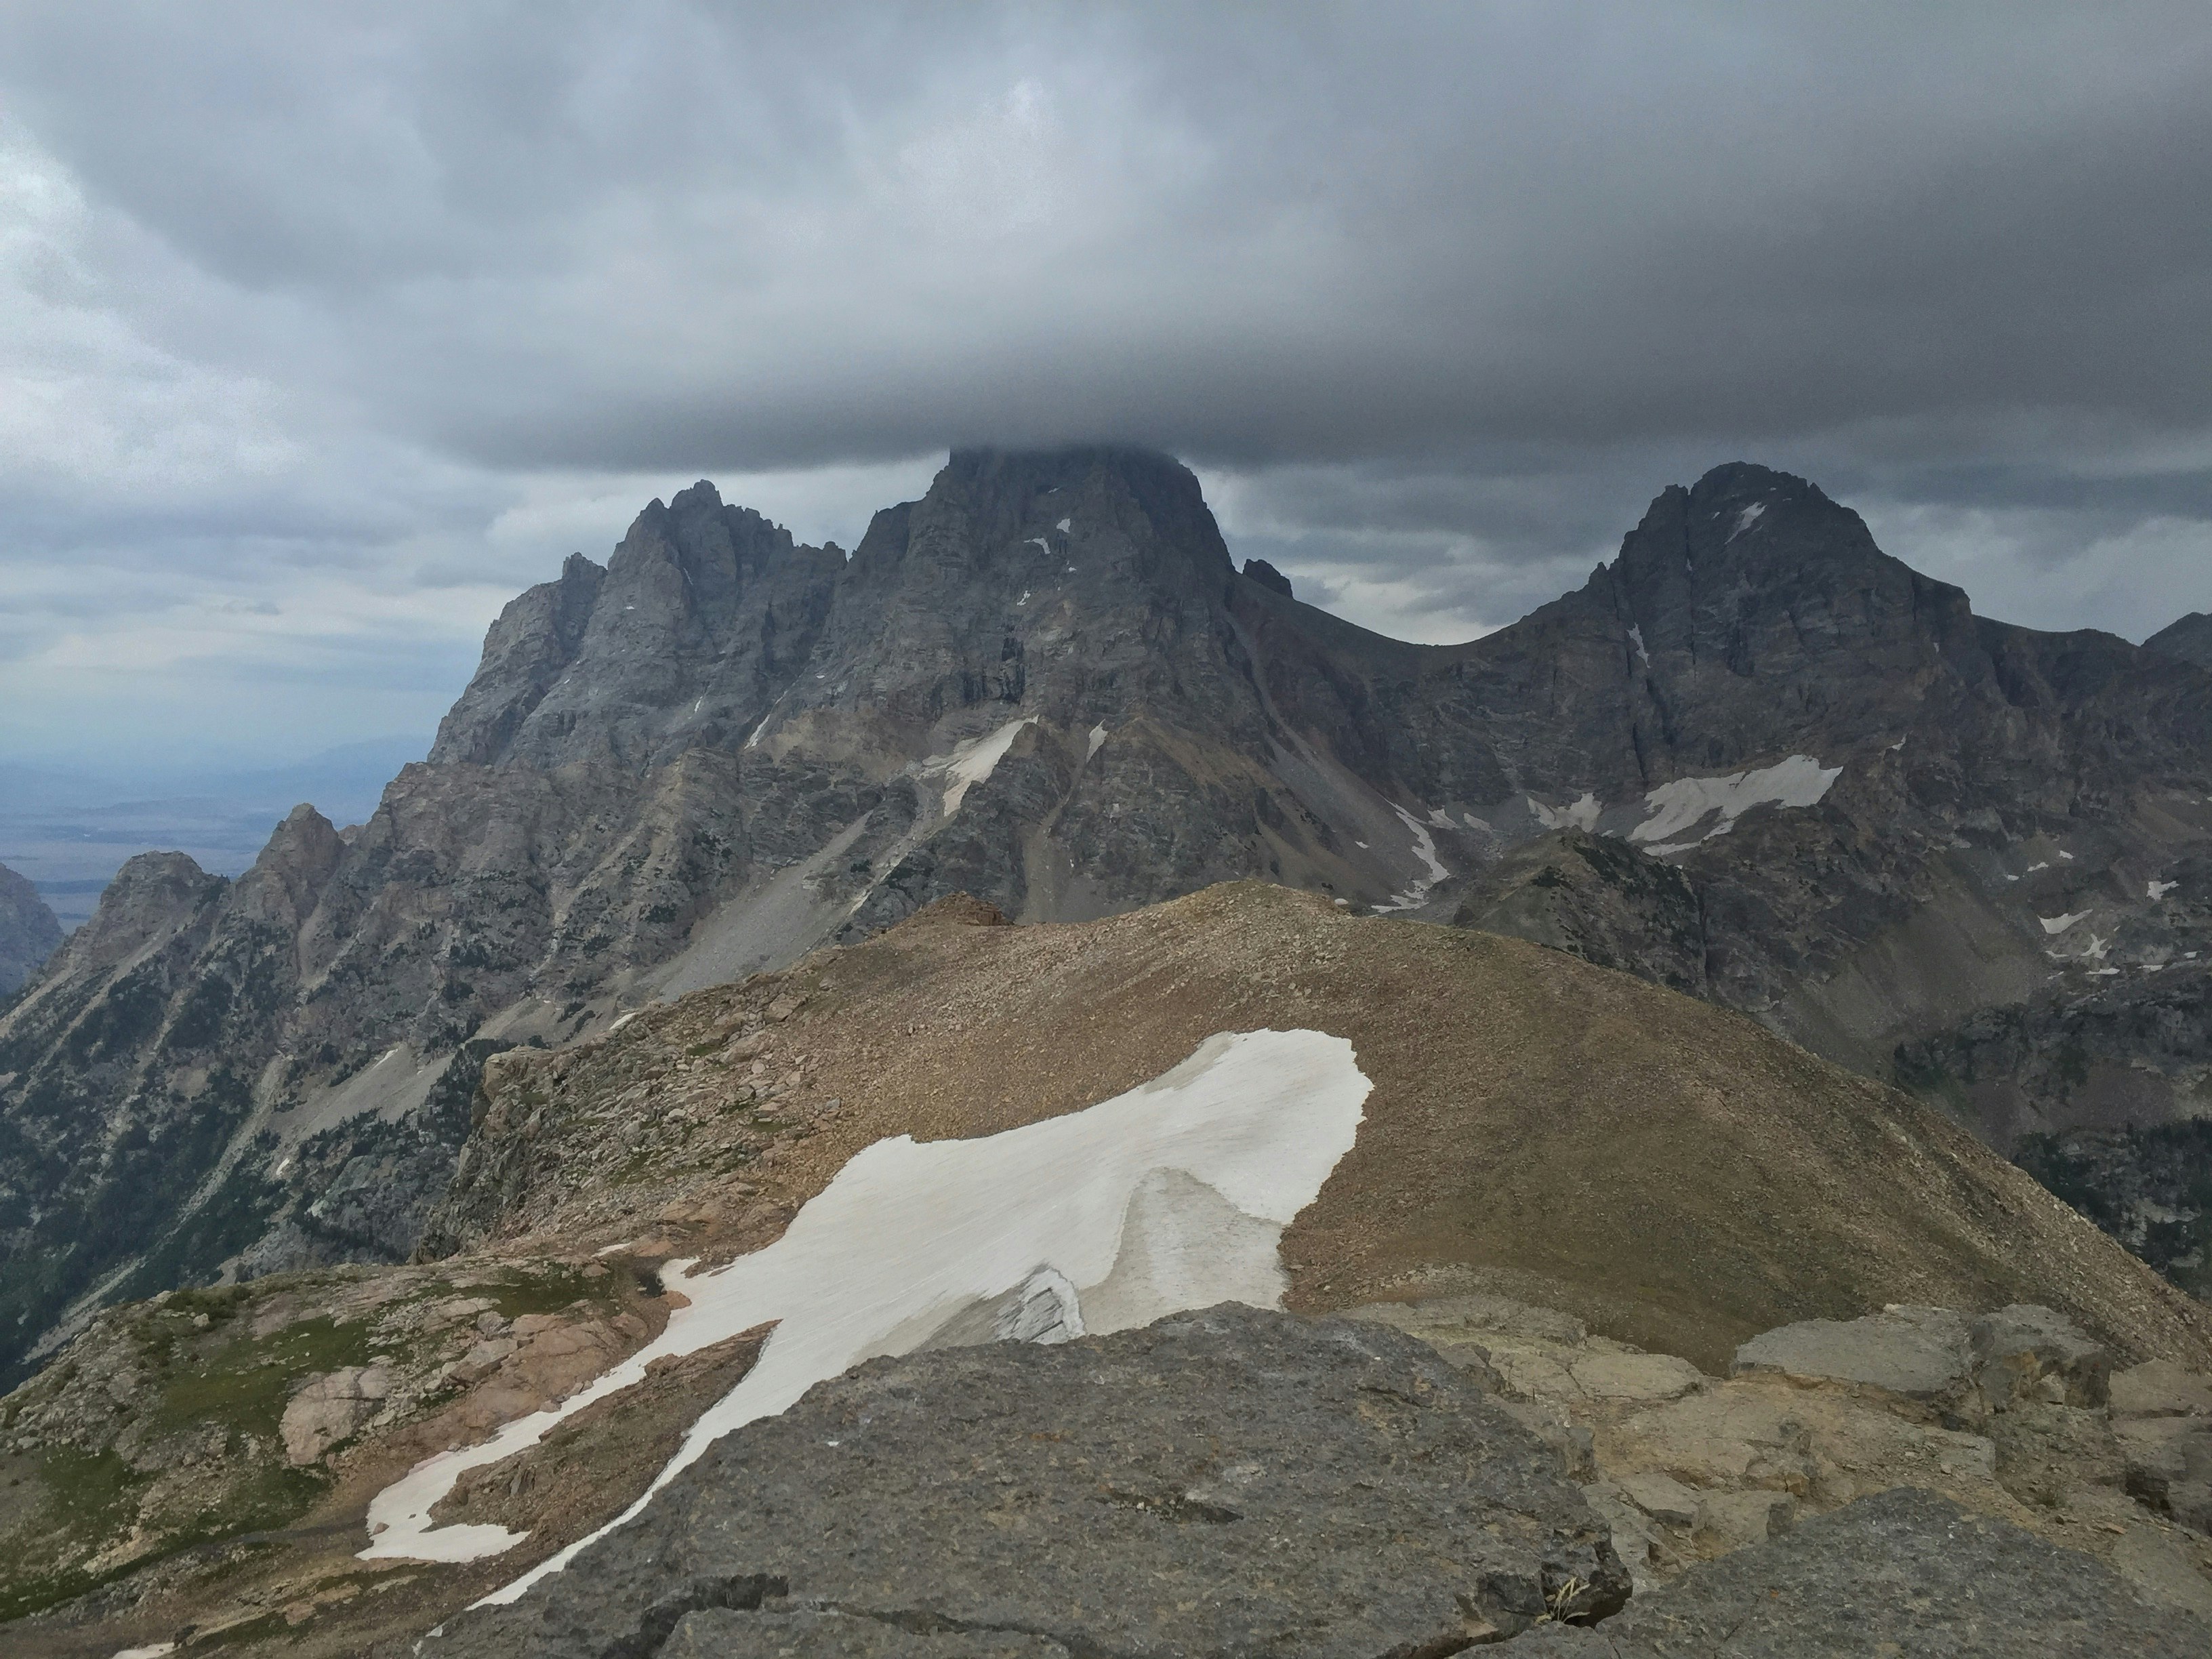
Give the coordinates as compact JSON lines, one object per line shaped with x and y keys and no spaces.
{"x":1753,"y":757}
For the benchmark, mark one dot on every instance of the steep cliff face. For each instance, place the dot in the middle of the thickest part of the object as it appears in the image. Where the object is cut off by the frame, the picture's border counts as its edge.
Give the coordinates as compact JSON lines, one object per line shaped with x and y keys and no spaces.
{"x":28,"y":932}
{"x":1753,"y":756}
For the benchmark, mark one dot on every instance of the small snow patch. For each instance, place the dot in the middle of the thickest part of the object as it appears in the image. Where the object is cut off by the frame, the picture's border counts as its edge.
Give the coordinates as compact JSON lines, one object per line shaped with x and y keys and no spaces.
{"x":1636,"y":638}
{"x":2159,"y":889}
{"x":1800,"y":781}
{"x":2060,"y":924}
{"x":2069,"y":857}
{"x":1425,"y":848}
{"x":1098,"y":740}
{"x":974,"y":759}
{"x":1744,"y":519}
{"x":1062,"y":525}
{"x":1037,"y":542}
{"x":1581,"y":814}
{"x":1899,"y":744}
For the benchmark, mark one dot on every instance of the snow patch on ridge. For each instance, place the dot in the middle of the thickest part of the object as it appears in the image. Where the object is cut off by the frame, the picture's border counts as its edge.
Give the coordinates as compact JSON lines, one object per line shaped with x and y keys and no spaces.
{"x":1744,"y":519}
{"x":2060,"y":924}
{"x":1800,"y":781}
{"x":1636,"y":638}
{"x":1170,"y":1197}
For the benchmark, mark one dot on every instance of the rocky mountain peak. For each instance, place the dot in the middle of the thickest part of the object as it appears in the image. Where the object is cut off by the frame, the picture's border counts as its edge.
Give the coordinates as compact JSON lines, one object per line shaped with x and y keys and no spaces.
{"x":1744,"y":524}
{"x":986,"y":502}
{"x":289,"y":877}
{"x":2188,"y":639}
{"x":698,"y":620}
{"x":1751,"y":571}
{"x":152,"y":896}
{"x":29,"y":931}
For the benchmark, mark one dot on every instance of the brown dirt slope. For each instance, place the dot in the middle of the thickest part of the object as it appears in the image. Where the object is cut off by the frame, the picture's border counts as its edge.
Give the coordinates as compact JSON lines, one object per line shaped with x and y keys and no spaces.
{"x":1676,"y":1174}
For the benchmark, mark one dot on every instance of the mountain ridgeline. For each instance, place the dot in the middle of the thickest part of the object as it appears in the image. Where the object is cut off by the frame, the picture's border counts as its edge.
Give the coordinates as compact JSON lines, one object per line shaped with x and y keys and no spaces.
{"x":1753,"y":759}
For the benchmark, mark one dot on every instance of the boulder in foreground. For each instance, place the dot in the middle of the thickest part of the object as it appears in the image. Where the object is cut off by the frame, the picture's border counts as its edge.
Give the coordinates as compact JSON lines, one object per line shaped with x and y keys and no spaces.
{"x":1226,"y":1481}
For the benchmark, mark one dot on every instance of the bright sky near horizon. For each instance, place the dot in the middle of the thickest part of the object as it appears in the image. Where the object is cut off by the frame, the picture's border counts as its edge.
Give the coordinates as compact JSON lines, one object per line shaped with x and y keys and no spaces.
{"x":324,"y":333}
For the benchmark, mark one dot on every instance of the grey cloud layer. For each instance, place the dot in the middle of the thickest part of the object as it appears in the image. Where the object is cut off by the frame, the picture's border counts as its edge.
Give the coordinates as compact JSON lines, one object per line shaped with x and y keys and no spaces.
{"x":1439,"y":294}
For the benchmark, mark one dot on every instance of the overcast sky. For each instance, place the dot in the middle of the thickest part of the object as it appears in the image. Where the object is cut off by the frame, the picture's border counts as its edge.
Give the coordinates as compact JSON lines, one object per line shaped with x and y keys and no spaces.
{"x":320,"y":336}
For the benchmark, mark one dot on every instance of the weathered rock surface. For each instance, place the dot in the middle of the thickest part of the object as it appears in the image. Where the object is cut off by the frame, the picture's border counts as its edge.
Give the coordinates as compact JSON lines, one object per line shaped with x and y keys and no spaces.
{"x":1937,"y":1357}
{"x":328,"y":1409}
{"x":1218,"y":1482}
{"x":1906,"y":1572}
{"x":1919,"y":1353}
{"x":1923,"y":1397}
{"x":28,"y":932}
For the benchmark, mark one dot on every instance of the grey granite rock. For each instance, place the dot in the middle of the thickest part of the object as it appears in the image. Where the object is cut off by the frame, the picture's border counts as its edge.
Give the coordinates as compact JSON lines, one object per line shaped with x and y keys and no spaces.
{"x":2019,"y":1357}
{"x":1917,"y":1353}
{"x":1231,"y":1481}
{"x":722,"y":1633}
{"x":1906,"y":1572}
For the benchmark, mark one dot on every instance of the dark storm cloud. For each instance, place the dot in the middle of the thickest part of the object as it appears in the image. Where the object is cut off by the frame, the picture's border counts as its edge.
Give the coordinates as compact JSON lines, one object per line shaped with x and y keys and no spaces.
{"x":1438,"y":295}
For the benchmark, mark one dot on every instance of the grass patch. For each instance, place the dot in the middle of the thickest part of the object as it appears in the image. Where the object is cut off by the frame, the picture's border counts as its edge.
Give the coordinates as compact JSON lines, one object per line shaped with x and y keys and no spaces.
{"x":549,"y":1292}
{"x":246,"y":1384}
{"x":90,"y":1497}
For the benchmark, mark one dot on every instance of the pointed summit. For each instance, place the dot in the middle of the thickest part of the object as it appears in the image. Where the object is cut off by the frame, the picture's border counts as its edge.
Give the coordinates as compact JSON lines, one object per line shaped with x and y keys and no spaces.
{"x":2189,"y":640}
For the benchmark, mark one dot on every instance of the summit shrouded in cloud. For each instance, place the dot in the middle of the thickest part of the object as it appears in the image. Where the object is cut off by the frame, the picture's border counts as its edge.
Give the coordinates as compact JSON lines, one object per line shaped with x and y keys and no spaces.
{"x":323,"y":334}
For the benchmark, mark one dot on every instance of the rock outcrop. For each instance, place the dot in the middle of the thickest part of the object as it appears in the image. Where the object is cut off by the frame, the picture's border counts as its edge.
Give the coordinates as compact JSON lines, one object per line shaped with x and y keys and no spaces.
{"x":28,"y":932}
{"x":1753,"y":757}
{"x":2006,"y":1414}
{"x":1905,"y":1572}
{"x":1209,"y":1484}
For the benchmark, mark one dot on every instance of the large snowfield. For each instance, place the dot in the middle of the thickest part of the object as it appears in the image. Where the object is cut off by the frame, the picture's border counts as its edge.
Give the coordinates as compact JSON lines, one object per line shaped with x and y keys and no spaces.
{"x":1170,"y":1197}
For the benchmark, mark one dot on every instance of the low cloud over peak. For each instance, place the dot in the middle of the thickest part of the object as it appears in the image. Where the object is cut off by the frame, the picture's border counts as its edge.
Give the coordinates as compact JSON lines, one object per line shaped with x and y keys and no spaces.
{"x":372,"y":321}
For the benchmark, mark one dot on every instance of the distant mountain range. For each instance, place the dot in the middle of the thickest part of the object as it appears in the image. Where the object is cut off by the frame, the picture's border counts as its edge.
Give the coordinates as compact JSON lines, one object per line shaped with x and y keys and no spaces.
{"x":1753,"y":759}
{"x":68,"y":830}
